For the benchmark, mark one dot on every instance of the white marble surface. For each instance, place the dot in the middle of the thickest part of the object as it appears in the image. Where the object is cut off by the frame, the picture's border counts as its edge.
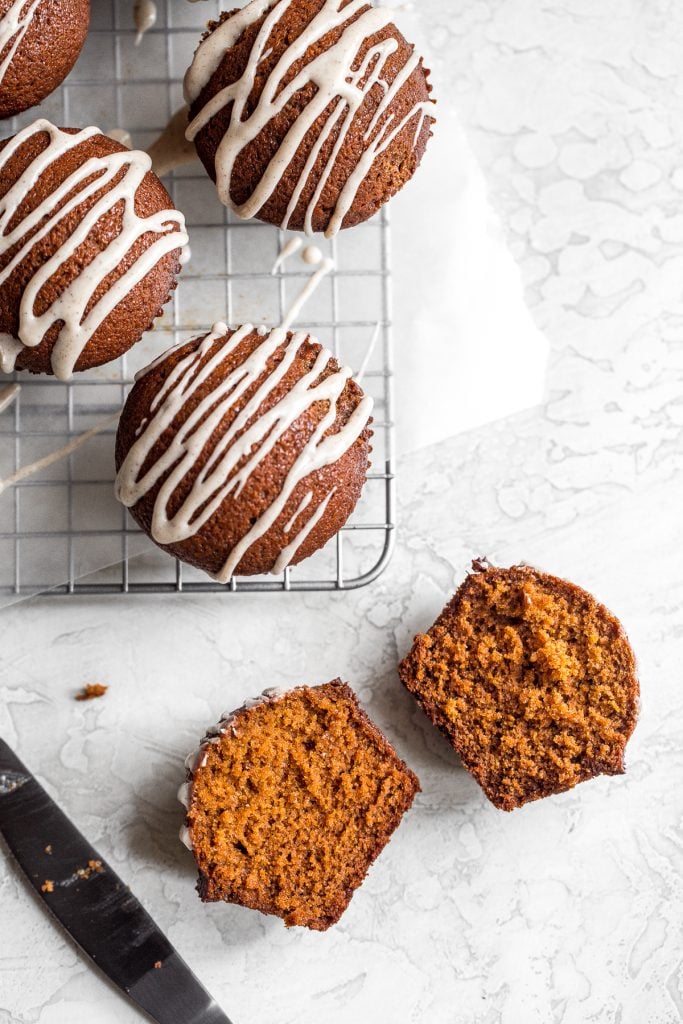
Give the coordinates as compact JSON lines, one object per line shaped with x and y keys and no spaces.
{"x":568,"y":910}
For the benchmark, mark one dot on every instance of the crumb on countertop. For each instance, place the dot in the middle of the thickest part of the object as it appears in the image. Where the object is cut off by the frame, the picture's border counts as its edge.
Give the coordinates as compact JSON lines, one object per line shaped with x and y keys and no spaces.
{"x":157,"y":965}
{"x":92,"y":690}
{"x":47,"y":886}
{"x":48,"y":849}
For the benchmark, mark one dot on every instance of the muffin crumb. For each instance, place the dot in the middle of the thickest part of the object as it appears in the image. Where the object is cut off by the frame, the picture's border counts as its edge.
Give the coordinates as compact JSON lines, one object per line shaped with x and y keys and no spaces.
{"x":92,"y":690}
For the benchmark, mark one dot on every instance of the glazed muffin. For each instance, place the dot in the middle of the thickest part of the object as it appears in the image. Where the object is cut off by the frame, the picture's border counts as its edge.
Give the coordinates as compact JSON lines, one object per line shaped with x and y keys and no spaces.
{"x":243,"y":451}
{"x":532,"y":681}
{"x":40,"y":41}
{"x":90,"y":248}
{"x":290,"y":800}
{"x":310,"y":114}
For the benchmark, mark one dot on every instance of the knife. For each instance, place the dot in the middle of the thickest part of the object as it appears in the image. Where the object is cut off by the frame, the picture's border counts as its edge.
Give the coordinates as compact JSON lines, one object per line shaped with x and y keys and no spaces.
{"x":97,"y":909}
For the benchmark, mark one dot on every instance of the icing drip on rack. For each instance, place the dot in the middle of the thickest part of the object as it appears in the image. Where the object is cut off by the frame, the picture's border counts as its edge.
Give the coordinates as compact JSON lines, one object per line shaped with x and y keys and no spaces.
{"x":287,"y":250}
{"x":339,"y":86}
{"x":250,"y":437}
{"x":171,"y":149}
{"x":145,"y":17}
{"x":120,"y":175}
{"x":13,"y":27}
{"x":61,"y":453}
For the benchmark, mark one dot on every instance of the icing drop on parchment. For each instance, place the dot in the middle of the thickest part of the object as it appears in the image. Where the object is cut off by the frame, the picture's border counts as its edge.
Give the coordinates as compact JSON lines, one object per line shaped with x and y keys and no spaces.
{"x":13,"y":27}
{"x":59,"y":454}
{"x":123,"y":172}
{"x":171,"y":149}
{"x":287,"y":250}
{"x":338,"y":83}
{"x":144,"y":16}
{"x":8,"y":395}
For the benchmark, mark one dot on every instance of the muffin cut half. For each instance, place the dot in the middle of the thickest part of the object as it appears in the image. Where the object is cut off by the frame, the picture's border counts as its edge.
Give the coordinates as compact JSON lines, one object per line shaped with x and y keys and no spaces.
{"x":290,"y":800}
{"x":532,"y":681}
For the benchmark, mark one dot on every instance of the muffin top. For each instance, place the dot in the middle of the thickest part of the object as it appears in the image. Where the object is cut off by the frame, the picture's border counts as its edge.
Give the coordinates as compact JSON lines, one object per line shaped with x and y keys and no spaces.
{"x":83,"y":221}
{"x":533,"y":681}
{"x":40,"y":41}
{"x":308,"y":113}
{"x":248,"y":442}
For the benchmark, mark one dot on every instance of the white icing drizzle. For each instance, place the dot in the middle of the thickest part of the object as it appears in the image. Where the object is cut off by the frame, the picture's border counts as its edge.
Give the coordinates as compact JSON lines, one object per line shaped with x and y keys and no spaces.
{"x":288,"y":552}
{"x":13,"y":27}
{"x":144,"y":16}
{"x":9,"y":352}
{"x":337,"y":84}
{"x":59,"y":454}
{"x":287,"y":250}
{"x":304,"y":295}
{"x":197,"y":759}
{"x":305,"y":502}
{"x":8,"y":395}
{"x":241,"y":443}
{"x":94,"y":174}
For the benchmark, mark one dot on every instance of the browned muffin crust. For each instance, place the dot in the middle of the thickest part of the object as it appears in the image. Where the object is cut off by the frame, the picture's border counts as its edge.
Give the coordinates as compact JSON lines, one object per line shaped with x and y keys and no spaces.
{"x":46,"y":54}
{"x":135,"y":313}
{"x":532,"y":681}
{"x":391,"y":170}
{"x":209,"y":548}
{"x":292,"y":804}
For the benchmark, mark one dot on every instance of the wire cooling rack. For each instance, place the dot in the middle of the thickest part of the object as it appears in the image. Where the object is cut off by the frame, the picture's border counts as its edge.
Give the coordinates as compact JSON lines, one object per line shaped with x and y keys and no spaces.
{"x":62,"y":530}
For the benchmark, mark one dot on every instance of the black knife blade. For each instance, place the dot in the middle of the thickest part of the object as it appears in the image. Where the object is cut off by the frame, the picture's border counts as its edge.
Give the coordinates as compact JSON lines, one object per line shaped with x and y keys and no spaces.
{"x":97,"y":909}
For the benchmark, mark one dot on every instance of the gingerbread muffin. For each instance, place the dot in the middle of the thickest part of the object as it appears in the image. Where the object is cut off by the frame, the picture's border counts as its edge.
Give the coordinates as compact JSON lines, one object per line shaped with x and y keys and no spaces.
{"x":308,"y":114}
{"x":40,"y":41}
{"x":90,"y":247}
{"x":243,"y":451}
{"x":290,"y":800}
{"x":532,"y":681}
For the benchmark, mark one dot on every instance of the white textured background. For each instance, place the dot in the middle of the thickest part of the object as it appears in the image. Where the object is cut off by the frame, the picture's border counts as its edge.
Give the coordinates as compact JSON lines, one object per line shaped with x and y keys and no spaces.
{"x":569,"y":910}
